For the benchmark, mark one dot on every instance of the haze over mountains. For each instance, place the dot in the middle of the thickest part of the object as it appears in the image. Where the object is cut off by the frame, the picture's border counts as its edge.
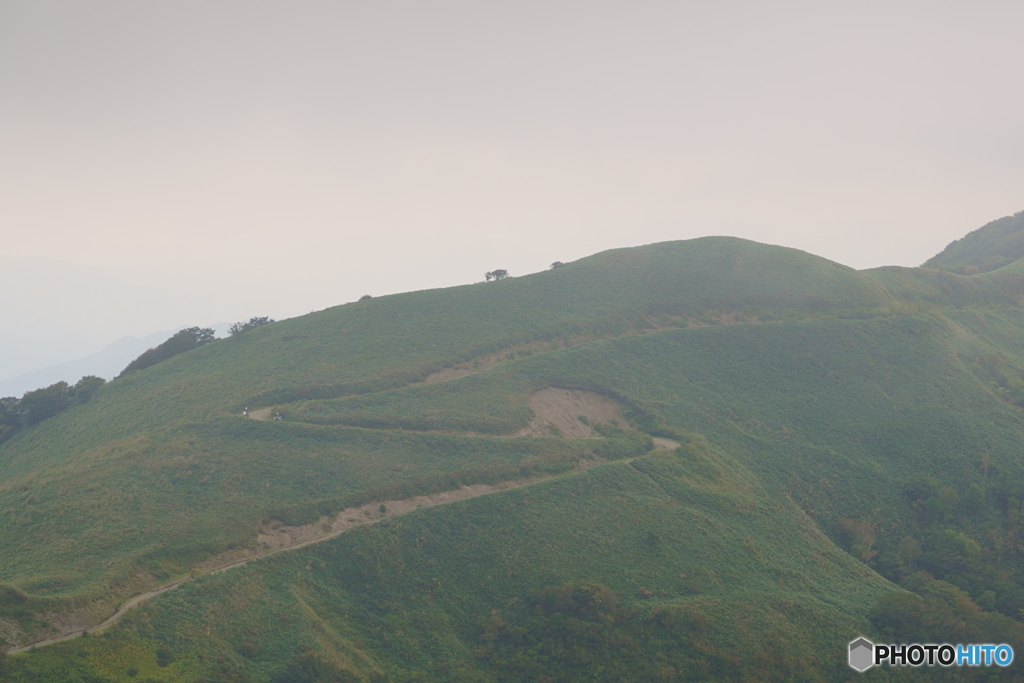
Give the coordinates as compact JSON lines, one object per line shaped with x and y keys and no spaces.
{"x":71,"y":310}
{"x":65,"y":311}
{"x":107,"y":363}
{"x":68,"y":319}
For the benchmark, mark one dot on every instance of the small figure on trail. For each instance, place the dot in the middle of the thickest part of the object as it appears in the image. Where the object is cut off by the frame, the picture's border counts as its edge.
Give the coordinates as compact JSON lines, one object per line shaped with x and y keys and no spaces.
{"x":277,"y":416}
{"x":245,"y":411}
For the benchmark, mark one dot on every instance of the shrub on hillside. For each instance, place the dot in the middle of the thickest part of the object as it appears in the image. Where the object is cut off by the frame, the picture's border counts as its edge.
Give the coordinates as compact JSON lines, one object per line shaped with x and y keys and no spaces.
{"x":86,"y":387}
{"x":35,"y":406}
{"x":10,"y":420}
{"x":250,"y":324}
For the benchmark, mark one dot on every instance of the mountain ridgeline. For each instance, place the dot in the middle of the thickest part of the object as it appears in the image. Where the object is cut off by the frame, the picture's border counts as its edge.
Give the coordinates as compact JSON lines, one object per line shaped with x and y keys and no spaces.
{"x":701,"y":460}
{"x":988,"y":248}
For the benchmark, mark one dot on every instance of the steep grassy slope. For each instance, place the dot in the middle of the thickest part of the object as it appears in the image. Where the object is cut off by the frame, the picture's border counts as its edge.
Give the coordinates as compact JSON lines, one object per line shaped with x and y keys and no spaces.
{"x":835,"y":395}
{"x":991,"y":246}
{"x":166,"y":500}
{"x":839,"y":413}
{"x":412,"y":598}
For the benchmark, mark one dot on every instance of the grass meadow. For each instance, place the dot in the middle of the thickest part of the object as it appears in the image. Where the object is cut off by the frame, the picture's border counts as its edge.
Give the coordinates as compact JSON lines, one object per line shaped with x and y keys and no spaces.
{"x":828,"y":395}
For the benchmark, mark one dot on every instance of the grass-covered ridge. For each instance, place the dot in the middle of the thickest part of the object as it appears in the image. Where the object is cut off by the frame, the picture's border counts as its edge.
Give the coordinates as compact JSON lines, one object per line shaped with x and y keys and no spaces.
{"x":162,"y":422}
{"x":836,"y":411}
{"x":991,"y":246}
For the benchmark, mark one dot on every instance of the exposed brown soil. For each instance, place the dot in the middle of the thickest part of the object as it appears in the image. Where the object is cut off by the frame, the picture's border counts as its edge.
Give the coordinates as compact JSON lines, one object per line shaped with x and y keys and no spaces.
{"x":558,"y":411}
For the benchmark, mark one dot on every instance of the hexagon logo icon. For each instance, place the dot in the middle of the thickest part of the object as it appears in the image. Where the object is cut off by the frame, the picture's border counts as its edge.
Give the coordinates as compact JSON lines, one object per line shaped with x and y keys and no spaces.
{"x":862,"y":654}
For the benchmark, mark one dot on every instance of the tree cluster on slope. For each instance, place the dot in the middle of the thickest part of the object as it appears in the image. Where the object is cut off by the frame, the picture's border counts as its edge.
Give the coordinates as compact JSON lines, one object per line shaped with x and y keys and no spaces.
{"x":962,"y":561}
{"x":35,"y":406}
{"x":250,"y":324}
{"x":186,"y":340}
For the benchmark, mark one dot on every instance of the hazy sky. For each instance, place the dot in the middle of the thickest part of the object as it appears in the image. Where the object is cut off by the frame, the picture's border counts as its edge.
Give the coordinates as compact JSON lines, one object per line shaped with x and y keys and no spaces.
{"x":286,"y":156}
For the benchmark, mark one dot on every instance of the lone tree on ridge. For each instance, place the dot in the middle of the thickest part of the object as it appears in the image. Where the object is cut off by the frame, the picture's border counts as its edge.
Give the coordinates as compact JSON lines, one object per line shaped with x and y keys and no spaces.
{"x":499,"y":274}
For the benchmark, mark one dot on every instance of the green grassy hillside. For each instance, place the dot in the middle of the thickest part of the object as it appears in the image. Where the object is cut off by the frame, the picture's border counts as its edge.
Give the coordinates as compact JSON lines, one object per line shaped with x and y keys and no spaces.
{"x":841,"y":415}
{"x":156,"y":455}
{"x":413,"y":598}
{"x":991,"y":246}
{"x":854,"y":400}
{"x":835,"y":424}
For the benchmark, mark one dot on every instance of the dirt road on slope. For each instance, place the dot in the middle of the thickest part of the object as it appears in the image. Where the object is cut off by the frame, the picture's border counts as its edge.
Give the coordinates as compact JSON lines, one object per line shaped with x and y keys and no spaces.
{"x":275,"y":537}
{"x":112,"y":619}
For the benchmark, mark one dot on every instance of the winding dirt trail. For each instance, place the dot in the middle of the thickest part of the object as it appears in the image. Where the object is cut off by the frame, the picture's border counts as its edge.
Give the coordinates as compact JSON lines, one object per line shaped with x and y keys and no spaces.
{"x":282,"y":538}
{"x":112,"y":619}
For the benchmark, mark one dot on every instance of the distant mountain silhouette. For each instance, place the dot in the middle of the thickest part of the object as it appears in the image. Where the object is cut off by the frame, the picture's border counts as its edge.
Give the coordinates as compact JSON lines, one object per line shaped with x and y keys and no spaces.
{"x":105,"y":363}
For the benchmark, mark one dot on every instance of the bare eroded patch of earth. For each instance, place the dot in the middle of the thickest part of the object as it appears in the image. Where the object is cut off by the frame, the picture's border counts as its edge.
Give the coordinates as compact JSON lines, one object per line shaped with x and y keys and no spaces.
{"x":558,"y":411}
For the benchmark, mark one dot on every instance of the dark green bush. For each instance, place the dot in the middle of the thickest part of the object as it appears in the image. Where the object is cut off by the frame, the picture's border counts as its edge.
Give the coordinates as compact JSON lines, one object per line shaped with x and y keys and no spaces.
{"x":186,"y":340}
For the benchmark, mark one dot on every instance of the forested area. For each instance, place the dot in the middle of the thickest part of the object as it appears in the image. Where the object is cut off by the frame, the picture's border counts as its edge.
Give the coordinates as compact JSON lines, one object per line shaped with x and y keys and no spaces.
{"x":35,"y":406}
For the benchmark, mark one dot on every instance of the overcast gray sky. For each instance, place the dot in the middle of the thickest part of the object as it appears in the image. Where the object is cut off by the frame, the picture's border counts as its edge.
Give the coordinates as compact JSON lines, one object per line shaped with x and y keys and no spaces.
{"x":287,"y":156}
